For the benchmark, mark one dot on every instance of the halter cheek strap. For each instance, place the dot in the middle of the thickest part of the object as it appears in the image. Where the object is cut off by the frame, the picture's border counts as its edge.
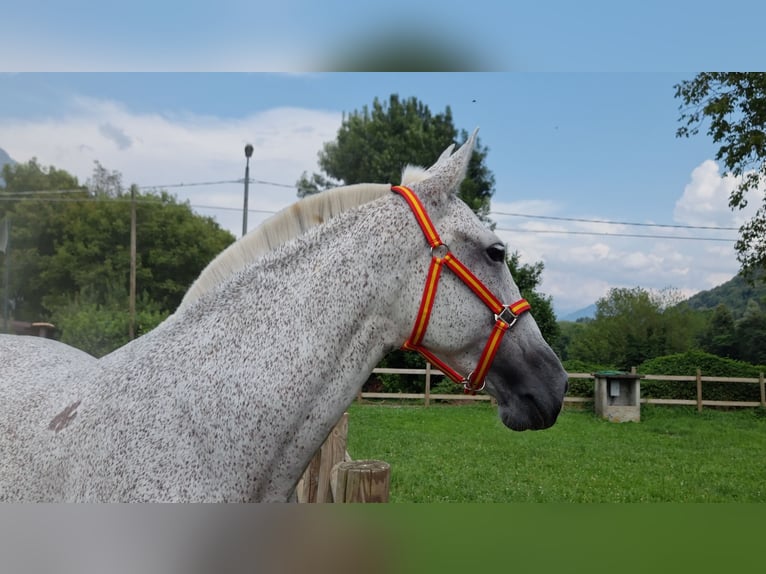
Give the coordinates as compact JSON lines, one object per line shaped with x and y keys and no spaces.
{"x":505,"y":315}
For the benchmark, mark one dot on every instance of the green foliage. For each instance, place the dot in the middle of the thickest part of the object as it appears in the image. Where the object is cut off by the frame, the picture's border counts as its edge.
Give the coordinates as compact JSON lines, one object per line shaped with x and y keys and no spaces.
{"x":720,"y":337}
{"x":70,"y":256}
{"x":737,"y":339}
{"x":374,"y":145}
{"x":734,"y":103}
{"x":99,"y":326}
{"x":710,"y":365}
{"x":751,"y":335}
{"x":734,"y":294}
{"x":35,"y":228}
{"x":63,"y":247}
{"x":632,"y":325}
{"x":528,"y":278}
{"x":569,"y":331}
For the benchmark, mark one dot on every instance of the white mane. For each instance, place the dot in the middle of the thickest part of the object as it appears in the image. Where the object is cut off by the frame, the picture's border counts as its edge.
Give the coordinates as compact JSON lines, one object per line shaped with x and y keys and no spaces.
{"x":288,"y":224}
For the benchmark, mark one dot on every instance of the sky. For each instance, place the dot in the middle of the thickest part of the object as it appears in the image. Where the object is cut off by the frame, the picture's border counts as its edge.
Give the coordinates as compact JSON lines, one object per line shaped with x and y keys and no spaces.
{"x":575,"y":102}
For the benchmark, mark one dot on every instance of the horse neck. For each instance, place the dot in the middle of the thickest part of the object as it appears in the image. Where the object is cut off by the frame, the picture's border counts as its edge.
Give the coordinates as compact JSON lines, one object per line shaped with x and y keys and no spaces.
{"x":328,"y":305}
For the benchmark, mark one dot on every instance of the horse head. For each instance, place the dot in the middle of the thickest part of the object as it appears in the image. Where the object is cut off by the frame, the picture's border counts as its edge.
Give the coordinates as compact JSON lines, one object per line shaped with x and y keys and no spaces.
{"x":468,"y":315}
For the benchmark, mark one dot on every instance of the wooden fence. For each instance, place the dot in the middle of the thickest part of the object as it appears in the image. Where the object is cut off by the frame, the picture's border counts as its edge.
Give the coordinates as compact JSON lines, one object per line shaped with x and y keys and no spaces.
{"x":332,"y":476}
{"x":699,"y":379}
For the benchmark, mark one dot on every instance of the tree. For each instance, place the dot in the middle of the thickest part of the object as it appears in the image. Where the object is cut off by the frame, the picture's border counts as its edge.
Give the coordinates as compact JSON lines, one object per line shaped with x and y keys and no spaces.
{"x":71,"y":251}
{"x":751,"y":334}
{"x":633,"y":325}
{"x":35,"y":228}
{"x":528,"y":278}
{"x":735,"y":105}
{"x":374,"y":145}
{"x":720,"y":337}
{"x":97,"y":324}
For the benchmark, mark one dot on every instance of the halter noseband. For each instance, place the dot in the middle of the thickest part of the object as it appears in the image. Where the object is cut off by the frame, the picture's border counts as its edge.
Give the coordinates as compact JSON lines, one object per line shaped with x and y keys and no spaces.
{"x":505,"y":315}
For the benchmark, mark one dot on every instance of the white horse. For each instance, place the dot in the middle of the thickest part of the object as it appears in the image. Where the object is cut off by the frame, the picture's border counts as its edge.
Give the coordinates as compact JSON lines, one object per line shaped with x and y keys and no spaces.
{"x":229,"y":398}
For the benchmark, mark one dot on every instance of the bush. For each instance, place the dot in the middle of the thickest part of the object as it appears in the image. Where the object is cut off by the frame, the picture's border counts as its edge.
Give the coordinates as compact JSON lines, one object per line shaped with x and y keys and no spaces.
{"x":99,"y":328}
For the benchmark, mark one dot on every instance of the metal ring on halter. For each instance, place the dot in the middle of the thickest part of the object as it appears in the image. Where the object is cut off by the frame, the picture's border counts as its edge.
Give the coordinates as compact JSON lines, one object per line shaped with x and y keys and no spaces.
{"x":444,"y":249}
{"x":501,"y":316}
{"x":467,"y":384}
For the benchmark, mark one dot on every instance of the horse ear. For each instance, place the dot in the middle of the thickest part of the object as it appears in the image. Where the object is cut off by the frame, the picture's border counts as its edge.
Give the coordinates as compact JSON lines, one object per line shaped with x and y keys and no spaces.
{"x":445,"y":154}
{"x":445,"y":176}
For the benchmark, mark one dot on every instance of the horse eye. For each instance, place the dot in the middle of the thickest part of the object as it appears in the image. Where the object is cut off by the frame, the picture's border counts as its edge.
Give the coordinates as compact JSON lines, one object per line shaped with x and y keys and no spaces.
{"x":496,"y":252}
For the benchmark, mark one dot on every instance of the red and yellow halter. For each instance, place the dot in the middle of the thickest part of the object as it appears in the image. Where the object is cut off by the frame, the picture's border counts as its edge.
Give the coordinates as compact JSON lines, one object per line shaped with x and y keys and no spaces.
{"x":505,"y":315}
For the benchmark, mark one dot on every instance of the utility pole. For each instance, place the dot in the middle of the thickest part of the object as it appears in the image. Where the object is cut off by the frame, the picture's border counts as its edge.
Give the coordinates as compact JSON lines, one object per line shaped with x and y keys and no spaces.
{"x":132,"y":296}
{"x":248,"y":153}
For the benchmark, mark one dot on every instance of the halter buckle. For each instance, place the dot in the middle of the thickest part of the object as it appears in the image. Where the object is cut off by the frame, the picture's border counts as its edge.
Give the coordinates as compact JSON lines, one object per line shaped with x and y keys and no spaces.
{"x":506,"y":316}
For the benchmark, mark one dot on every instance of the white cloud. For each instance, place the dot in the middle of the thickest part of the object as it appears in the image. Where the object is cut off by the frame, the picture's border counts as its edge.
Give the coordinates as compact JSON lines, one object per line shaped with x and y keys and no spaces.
{"x":705,"y":200}
{"x":163,"y":150}
{"x":584,"y":259}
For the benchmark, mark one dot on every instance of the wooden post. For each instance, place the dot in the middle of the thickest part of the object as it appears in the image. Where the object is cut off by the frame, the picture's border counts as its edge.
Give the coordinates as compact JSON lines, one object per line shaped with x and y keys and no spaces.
{"x":699,"y":391}
{"x":361,"y":481}
{"x":763,"y":390}
{"x":314,"y":486}
{"x":44,"y":329}
{"x":428,"y":384}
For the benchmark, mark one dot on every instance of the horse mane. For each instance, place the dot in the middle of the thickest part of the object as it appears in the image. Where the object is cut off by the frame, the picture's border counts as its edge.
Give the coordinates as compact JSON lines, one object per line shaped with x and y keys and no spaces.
{"x":288,"y":224}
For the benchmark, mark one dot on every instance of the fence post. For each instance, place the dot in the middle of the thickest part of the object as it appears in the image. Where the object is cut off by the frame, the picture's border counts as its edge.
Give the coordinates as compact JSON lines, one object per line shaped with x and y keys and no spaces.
{"x":428,"y":384}
{"x":699,"y":391}
{"x":361,"y":481}
{"x":315,"y":485}
{"x":763,"y":390}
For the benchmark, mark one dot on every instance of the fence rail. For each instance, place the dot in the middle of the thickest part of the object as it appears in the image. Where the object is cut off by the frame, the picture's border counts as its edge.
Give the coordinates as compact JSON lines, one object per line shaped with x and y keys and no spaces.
{"x":699,"y":379}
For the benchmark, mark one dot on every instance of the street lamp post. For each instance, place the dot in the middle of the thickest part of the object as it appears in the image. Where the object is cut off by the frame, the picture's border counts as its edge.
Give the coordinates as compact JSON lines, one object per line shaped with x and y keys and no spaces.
{"x":248,"y":153}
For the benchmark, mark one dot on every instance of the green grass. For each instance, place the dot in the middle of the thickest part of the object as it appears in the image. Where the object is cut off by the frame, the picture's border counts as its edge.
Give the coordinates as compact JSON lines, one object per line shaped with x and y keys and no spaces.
{"x":464,"y":454}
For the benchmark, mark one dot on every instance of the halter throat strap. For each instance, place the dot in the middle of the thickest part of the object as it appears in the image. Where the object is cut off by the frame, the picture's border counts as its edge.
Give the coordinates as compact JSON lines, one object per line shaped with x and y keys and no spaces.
{"x":505,"y":316}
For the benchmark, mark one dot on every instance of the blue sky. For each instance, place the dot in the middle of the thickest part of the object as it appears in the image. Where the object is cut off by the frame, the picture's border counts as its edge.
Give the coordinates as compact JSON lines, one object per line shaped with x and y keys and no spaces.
{"x":301,"y":35}
{"x":580,"y":119}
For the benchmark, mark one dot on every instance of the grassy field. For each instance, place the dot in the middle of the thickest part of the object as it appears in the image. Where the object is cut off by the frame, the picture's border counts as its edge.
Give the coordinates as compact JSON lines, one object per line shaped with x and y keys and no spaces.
{"x":464,"y":454}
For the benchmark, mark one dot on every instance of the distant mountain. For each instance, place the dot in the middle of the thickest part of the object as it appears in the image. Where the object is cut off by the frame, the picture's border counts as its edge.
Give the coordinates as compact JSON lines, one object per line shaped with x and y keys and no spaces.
{"x":735,"y":294}
{"x":4,"y":159}
{"x":585,"y":313}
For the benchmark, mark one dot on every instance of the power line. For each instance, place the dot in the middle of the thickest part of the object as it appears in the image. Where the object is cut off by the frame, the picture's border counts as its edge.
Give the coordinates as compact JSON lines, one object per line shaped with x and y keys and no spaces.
{"x":606,"y":233}
{"x":226,"y":181}
{"x":190,"y":184}
{"x":152,"y":187}
{"x":582,"y":220}
{"x":42,"y":192}
{"x":30,"y":195}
